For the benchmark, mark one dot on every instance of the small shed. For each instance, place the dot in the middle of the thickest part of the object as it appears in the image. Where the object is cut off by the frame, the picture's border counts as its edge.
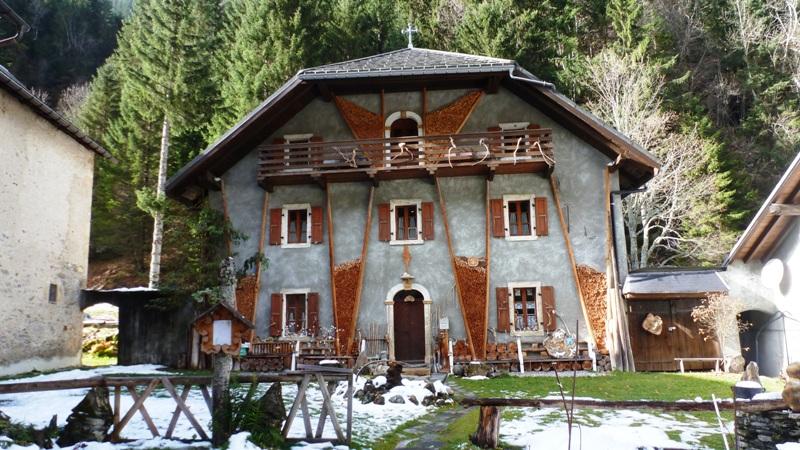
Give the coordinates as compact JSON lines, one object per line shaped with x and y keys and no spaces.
{"x":660,"y":307}
{"x":222,"y":329}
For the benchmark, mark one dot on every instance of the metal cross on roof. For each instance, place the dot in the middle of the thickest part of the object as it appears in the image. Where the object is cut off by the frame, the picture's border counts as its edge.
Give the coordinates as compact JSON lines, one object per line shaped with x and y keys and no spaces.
{"x":410,"y":30}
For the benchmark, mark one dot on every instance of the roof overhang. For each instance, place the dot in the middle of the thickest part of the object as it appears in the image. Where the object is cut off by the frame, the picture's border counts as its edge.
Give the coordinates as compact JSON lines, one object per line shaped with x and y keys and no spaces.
{"x":673,"y":284}
{"x":635,"y":164}
{"x":768,"y":228}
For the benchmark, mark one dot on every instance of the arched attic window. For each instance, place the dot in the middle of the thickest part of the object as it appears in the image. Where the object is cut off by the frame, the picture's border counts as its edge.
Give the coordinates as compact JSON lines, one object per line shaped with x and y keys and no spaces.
{"x":404,"y":124}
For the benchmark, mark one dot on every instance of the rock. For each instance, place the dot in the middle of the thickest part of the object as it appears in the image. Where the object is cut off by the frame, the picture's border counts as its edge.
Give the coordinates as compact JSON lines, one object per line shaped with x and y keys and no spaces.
{"x":394,"y":375}
{"x":429,"y":386}
{"x":428,"y":401}
{"x":397,"y":399}
{"x":90,"y":420}
{"x":736,"y":364}
{"x":359,"y":394}
{"x":791,"y":395}
{"x":751,"y":372}
{"x":413,"y":399}
{"x":379,"y":400}
{"x":476,"y":368}
{"x":362,"y":360}
{"x":271,"y":404}
{"x":458,"y":370}
{"x":793,"y":371}
{"x":4,"y":418}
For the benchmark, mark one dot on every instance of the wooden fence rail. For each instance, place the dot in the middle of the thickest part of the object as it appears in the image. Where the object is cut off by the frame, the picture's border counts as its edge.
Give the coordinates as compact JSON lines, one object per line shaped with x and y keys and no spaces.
{"x":487,"y":434}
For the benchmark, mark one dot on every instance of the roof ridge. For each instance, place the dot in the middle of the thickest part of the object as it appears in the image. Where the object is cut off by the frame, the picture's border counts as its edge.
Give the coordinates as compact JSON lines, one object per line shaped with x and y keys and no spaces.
{"x":363,"y":58}
{"x":470,"y":55}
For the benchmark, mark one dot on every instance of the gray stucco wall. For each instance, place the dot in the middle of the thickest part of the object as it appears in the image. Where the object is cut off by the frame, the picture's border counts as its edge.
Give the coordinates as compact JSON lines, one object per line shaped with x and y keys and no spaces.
{"x":45,"y":209}
{"x":579,"y":169}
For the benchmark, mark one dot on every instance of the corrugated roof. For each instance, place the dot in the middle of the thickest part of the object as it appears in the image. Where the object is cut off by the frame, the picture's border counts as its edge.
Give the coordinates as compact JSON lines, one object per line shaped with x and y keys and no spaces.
{"x":18,"y":90}
{"x":407,"y":61}
{"x":673,"y":282}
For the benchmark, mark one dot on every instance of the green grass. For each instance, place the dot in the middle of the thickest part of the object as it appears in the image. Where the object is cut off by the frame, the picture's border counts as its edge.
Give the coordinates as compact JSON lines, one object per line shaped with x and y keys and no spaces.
{"x":90,"y":360}
{"x":616,"y":386}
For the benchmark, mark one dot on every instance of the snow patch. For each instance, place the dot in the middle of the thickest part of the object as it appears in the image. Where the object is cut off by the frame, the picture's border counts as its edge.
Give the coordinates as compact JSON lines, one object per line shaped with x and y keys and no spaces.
{"x":749,"y":384}
{"x":240,"y":441}
{"x":768,"y":396}
{"x":476,"y":377}
{"x":789,"y":446}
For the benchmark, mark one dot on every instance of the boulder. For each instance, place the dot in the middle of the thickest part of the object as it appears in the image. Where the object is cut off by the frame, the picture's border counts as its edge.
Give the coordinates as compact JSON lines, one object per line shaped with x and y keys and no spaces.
{"x":793,"y":371}
{"x":394,"y":375}
{"x":397,"y":399}
{"x":90,"y":420}
{"x":271,"y":404}
{"x":751,"y":372}
{"x":791,"y":395}
{"x":379,"y":400}
{"x":736,"y":364}
{"x":429,"y":400}
{"x":413,"y":399}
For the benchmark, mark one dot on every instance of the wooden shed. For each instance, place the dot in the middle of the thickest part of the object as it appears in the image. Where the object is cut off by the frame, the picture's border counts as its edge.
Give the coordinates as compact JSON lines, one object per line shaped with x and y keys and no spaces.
{"x":660,"y":307}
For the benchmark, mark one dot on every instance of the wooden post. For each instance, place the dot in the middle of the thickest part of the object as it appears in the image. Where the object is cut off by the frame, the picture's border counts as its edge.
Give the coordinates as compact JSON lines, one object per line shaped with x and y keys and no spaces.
{"x":488,"y":433}
{"x":223,"y":364}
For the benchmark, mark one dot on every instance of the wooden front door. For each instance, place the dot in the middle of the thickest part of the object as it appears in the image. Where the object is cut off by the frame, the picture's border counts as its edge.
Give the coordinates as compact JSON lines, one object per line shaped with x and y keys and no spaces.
{"x":409,"y":327}
{"x":679,"y":336}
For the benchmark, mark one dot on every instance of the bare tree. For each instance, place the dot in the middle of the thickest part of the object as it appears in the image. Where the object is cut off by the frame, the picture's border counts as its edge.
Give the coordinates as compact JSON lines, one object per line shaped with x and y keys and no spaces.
{"x":72,"y":99}
{"x":719,"y":317}
{"x":784,"y":35}
{"x":750,"y":27}
{"x":627,"y":94}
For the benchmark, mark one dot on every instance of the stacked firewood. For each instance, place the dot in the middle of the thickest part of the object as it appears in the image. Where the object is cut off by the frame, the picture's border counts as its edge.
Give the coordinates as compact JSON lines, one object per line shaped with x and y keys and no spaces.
{"x":495,"y":352}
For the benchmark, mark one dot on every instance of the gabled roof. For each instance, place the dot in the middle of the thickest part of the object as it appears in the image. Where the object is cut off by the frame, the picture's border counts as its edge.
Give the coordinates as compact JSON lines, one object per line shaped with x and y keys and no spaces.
{"x":683,"y":283}
{"x":18,"y":90}
{"x":766,"y":230}
{"x":234,"y":312}
{"x":406,"y":68}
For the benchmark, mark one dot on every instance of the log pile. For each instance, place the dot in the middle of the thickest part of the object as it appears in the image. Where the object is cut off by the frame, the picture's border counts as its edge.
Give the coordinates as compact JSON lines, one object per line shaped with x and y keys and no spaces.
{"x":472,"y":287}
{"x":246,"y":290}
{"x":345,"y":282}
{"x":504,"y":357}
{"x":593,"y":287}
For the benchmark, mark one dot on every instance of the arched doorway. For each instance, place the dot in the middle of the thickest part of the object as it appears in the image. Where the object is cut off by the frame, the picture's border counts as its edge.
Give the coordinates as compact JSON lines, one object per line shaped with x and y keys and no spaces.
{"x":403,"y":124}
{"x":409,"y":326}
{"x":764,"y":341}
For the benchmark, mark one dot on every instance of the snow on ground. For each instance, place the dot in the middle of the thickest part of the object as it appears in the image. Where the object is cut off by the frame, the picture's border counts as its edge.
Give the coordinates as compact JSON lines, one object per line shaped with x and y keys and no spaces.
{"x":789,"y":446}
{"x":602,"y":430}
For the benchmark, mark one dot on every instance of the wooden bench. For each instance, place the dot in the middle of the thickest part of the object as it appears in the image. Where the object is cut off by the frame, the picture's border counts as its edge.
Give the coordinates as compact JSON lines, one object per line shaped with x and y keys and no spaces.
{"x":716,"y":361}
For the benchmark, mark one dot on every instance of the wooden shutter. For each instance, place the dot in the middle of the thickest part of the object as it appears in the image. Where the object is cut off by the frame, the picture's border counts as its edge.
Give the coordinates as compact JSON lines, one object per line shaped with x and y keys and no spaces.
{"x":276,"y":315}
{"x":384,"y":230}
{"x":498,"y":217}
{"x":540,"y":205}
{"x":549,"y":308}
{"x":316,"y":224}
{"x":313,"y":313}
{"x":534,"y":126}
{"x":427,"y":221}
{"x":316,"y":151}
{"x":275,"y":215}
{"x":503,"y":319}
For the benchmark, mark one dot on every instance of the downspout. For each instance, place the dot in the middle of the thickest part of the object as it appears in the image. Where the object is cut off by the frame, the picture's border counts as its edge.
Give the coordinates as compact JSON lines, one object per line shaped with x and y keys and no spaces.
{"x":539,"y":83}
{"x":22,"y":26}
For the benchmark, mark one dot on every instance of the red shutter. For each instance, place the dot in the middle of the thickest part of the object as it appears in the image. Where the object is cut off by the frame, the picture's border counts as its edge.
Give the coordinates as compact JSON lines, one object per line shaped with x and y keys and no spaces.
{"x":498,"y":217}
{"x":275,"y":226}
{"x":383,"y":222}
{"x":540,"y":206}
{"x":503,"y":319}
{"x":427,"y":221}
{"x":316,"y":224}
{"x":276,"y":315}
{"x":534,"y":126}
{"x":313,"y":313}
{"x":316,"y":151}
{"x":549,"y":307}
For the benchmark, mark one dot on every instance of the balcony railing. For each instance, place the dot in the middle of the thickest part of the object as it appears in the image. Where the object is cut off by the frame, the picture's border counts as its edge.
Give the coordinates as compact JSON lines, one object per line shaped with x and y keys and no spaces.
{"x":510,"y":151}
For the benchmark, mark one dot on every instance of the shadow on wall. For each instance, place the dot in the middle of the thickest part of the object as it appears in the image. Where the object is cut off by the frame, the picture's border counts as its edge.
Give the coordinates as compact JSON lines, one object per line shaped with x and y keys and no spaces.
{"x":764,"y":341}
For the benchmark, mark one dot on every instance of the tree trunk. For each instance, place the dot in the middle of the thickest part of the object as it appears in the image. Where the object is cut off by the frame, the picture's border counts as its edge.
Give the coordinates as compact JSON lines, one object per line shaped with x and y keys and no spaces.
{"x":488,"y":433}
{"x":223,"y":363}
{"x":158,"y":219}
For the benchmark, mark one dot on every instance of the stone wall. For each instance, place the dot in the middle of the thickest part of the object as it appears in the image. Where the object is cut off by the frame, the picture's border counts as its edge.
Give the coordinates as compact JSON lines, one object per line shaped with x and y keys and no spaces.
{"x":45,"y":209}
{"x":763,"y":431}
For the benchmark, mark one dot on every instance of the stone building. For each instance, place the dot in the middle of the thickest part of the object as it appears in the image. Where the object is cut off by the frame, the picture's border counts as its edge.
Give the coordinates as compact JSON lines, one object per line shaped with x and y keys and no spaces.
{"x":419,"y":191}
{"x":46,"y":171}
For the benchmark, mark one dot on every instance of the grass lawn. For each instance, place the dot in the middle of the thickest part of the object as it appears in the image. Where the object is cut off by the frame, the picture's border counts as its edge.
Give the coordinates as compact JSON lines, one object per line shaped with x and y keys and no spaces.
{"x":90,"y":360}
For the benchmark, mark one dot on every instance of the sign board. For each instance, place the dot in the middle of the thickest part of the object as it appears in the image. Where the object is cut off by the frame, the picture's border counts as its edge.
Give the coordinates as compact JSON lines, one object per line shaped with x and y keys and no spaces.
{"x":444,"y":323}
{"x":222,"y":332}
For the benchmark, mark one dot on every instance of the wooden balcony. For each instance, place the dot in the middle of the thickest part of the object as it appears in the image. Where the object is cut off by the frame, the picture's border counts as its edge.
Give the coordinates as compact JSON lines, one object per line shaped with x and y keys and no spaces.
{"x":486,"y":153}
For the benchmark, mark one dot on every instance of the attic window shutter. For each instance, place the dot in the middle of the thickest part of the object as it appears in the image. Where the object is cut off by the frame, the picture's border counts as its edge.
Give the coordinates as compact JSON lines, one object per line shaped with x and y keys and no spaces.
{"x":503,"y":319}
{"x":316,"y":151}
{"x":427,"y":221}
{"x":275,"y":216}
{"x":549,"y":308}
{"x":384,"y":231}
{"x":498,"y":218}
{"x":540,"y":206}
{"x":276,"y":315}
{"x":313,"y":313}
{"x":316,"y":225}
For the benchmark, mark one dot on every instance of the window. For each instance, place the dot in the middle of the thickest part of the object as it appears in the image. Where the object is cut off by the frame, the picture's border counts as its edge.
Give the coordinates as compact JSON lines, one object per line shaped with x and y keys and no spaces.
{"x":519,"y":211}
{"x":52,"y":293}
{"x":294,"y":312}
{"x":295,"y":226}
{"x":404,"y":124}
{"x":295,"y":318}
{"x":526,"y":307}
{"x":510,"y":141}
{"x":297,"y":158}
{"x":406,"y":219}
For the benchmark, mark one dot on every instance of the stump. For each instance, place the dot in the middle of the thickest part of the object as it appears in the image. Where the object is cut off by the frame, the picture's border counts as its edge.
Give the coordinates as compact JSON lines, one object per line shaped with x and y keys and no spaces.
{"x":488,"y":433}
{"x":90,"y":420}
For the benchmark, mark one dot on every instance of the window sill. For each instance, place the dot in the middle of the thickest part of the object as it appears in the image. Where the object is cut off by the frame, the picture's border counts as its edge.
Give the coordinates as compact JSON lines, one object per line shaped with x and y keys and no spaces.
{"x":522,"y":238}
{"x":295,"y":337}
{"x":302,"y":245}
{"x":527,"y":333}
{"x":414,"y":242}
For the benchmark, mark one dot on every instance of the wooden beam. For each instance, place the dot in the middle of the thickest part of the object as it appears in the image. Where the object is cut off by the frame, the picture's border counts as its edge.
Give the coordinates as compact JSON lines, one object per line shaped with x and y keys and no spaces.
{"x":570,"y":252}
{"x":443,"y":210}
{"x":779,"y":209}
{"x":325,"y":92}
{"x":261,"y":241}
{"x":363,"y":266}
{"x":180,"y":401}
{"x":331,"y":253}
{"x":488,"y":254}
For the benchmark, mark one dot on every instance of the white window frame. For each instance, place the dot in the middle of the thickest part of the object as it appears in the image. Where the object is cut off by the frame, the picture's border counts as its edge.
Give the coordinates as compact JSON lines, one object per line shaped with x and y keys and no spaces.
{"x":393,"y":204}
{"x":286,"y":152}
{"x":284,"y":293}
{"x":520,"y":197}
{"x":539,"y":316}
{"x":387,"y":133}
{"x":285,"y":225}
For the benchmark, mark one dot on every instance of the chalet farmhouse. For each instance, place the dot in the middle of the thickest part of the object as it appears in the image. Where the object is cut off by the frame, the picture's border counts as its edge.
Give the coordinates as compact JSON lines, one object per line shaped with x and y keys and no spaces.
{"x":45,"y":208}
{"x":427,"y":194}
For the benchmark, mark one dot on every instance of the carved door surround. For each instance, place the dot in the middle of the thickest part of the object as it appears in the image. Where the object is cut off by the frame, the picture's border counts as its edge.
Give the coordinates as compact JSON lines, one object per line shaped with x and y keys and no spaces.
{"x":426,"y":307}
